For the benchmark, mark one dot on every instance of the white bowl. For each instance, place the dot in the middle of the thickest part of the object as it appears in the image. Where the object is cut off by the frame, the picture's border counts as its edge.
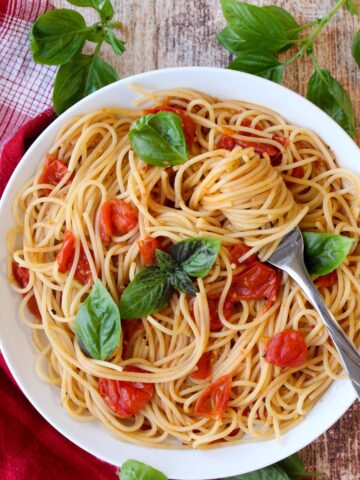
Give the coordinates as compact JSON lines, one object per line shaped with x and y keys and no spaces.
{"x":16,"y":342}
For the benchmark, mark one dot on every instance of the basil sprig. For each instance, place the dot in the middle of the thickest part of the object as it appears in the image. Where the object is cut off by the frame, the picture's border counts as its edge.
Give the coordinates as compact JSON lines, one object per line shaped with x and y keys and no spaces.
{"x":324,"y":252}
{"x":97,"y":324}
{"x":256,"y":36}
{"x":159,"y":139}
{"x":153,"y":287}
{"x":57,"y":38}
{"x":135,"y":470}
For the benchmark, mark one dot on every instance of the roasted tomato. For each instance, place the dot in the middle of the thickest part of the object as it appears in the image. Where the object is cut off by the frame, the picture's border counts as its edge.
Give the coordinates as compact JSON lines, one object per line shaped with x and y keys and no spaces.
{"x":65,"y":259}
{"x":34,"y":307}
{"x":203,"y":369}
{"x":328,"y":280}
{"x":83,"y":271}
{"x":21,"y":275}
{"x":187,"y":123}
{"x":213,"y":304}
{"x":238,"y":251}
{"x":287,"y":349}
{"x":148,"y":247}
{"x":298,"y":172}
{"x":125,"y":398}
{"x":214,"y":399}
{"x":116,"y":218}
{"x":53,"y":171}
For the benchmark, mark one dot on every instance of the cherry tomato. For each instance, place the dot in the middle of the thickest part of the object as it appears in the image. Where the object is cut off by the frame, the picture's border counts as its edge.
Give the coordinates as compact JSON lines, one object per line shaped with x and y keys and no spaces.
{"x":83,"y":271}
{"x":21,"y":274}
{"x":65,"y":257}
{"x":287,"y":349}
{"x":116,"y":218}
{"x":187,"y":123}
{"x":214,"y":399}
{"x":298,"y":172}
{"x":125,"y":398}
{"x":53,"y":170}
{"x":283,"y":140}
{"x":328,"y":280}
{"x":148,"y":247}
{"x":257,"y":281}
{"x":33,"y":307}
{"x":238,"y":251}
{"x":213,"y":304}
{"x":203,"y":366}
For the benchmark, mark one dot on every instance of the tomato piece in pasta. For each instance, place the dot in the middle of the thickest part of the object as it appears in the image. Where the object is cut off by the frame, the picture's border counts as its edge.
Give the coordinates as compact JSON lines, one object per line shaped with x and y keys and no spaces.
{"x":21,"y":276}
{"x":53,"y":171}
{"x":213,"y":304}
{"x":148,"y":248}
{"x":328,"y":280}
{"x":203,"y":367}
{"x":238,"y":251}
{"x":287,"y":349}
{"x":116,"y":218}
{"x":65,"y":259}
{"x":125,"y":398}
{"x":213,"y":401}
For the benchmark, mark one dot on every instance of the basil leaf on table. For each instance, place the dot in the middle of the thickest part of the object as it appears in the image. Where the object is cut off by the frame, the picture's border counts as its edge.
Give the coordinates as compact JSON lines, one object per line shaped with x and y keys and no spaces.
{"x":117,"y":45}
{"x":196,"y":256}
{"x":182,"y":282}
{"x":164,"y":261}
{"x":159,"y":139}
{"x":135,"y":470}
{"x":231,"y":40}
{"x":103,"y":7}
{"x":273,"y":472}
{"x":260,"y":63}
{"x":324,"y":252}
{"x":147,"y":293}
{"x":77,"y":79}
{"x":294,"y":467}
{"x":57,"y":36}
{"x":356,"y":48}
{"x":97,"y":323}
{"x":330,"y":96}
{"x":351,"y":6}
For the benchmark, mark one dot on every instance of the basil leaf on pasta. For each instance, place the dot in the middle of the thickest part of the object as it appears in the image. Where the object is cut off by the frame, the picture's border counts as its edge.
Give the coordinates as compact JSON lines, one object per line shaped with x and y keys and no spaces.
{"x":260,"y":63}
{"x":324,"y":252}
{"x":147,"y":293}
{"x":164,"y":261}
{"x":135,"y":470}
{"x":196,"y":256}
{"x":159,"y":139}
{"x":183,"y":283}
{"x":97,"y":323}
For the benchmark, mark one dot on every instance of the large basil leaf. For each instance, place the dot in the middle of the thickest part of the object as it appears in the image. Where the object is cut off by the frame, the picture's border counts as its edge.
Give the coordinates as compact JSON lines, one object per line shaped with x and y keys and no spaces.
{"x":182,"y":282}
{"x":57,"y":36}
{"x":149,"y":292}
{"x":77,"y":79}
{"x":324,"y":252}
{"x":159,"y":139}
{"x":196,"y":256}
{"x":260,"y":63}
{"x":135,"y":470}
{"x":356,"y":48}
{"x":330,"y":96}
{"x":164,"y":261}
{"x":97,"y":323}
{"x":273,"y":472}
{"x":231,"y":40}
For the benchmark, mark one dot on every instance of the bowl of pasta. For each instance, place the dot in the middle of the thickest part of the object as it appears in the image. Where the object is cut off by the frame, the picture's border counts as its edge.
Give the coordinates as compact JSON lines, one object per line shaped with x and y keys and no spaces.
{"x":142,"y":319}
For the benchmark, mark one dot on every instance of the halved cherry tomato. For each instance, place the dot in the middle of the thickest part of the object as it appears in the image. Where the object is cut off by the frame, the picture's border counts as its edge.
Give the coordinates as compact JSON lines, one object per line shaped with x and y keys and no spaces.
{"x":238,"y":251}
{"x":214,"y":399}
{"x":125,"y":398}
{"x":298,"y":172}
{"x":148,"y":247}
{"x":213,"y":304}
{"x":287,"y":349}
{"x":34,"y":307}
{"x":83,"y":271}
{"x":65,"y":259}
{"x":203,"y":369}
{"x":53,"y":170}
{"x":328,"y":280}
{"x":257,"y":281}
{"x":187,"y":123}
{"x":116,"y":218}
{"x":21,"y":275}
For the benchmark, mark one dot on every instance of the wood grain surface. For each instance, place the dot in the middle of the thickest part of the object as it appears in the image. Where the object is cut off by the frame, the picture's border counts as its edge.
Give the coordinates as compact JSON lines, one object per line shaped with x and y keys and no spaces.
{"x":169,"y":33}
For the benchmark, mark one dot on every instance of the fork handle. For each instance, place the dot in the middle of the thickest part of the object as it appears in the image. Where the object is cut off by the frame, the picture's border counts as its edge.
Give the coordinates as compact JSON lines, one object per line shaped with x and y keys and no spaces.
{"x":348,"y":353}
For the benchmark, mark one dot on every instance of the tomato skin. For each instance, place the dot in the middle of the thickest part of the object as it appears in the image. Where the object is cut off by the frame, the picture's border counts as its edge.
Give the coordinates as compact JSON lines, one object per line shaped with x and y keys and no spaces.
{"x":53,"y":170}
{"x":328,"y":280}
{"x":298,"y":172}
{"x":213,"y":303}
{"x":83,"y":271}
{"x":65,"y":257}
{"x":203,"y":366}
{"x":125,"y":398}
{"x":214,"y":399}
{"x":34,"y":307}
{"x":116,"y":218}
{"x":187,"y":123}
{"x":148,"y":248}
{"x":21,"y":274}
{"x":287,"y":349}
{"x":238,"y":251}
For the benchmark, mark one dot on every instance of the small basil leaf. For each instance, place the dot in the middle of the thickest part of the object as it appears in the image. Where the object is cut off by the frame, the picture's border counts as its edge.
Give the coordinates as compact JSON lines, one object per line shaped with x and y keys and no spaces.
{"x":273,"y":472}
{"x":159,"y":139}
{"x":95,"y":34}
{"x":260,"y":63}
{"x":351,"y":6}
{"x":149,"y":292}
{"x":77,"y":79}
{"x":85,"y":3}
{"x":164,"y":261}
{"x":117,"y":45}
{"x":57,"y":36}
{"x":97,"y":323}
{"x":196,"y":256}
{"x":106,"y":10}
{"x":356,"y":48}
{"x":231,"y":40}
{"x":135,"y":470}
{"x":182,"y":282}
{"x":324,"y":252}
{"x":330,"y":96}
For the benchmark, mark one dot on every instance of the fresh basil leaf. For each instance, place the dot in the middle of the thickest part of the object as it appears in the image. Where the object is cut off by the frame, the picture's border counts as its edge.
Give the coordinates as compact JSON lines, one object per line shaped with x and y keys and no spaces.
{"x":330,"y":96}
{"x":294,"y":467}
{"x":273,"y":472}
{"x":196,"y":256}
{"x":270,"y":28}
{"x":95,"y":34}
{"x":260,"y":63}
{"x":356,"y":48}
{"x":117,"y":45}
{"x":103,"y":7}
{"x":351,"y":6}
{"x":97,"y":323}
{"x":182,"y":282}
{"x":149,"y":292}
{"x":77,"y":79}
{"x":164,"y":261}
{"x":231,"y":40}
{"x":85,"y":3}
{"x":135,"y":470}
{"x":159,"y":139}
{"x":324,"y":252}
{"x":57,"y":36}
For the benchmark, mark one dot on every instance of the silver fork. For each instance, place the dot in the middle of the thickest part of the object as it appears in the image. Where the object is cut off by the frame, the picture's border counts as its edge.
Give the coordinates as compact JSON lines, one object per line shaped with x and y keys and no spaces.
{"x":289,"y":256}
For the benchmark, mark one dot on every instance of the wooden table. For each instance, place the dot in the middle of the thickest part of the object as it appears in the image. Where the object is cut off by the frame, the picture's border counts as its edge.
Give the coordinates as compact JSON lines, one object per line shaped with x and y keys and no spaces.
{"x":174,"y":33}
